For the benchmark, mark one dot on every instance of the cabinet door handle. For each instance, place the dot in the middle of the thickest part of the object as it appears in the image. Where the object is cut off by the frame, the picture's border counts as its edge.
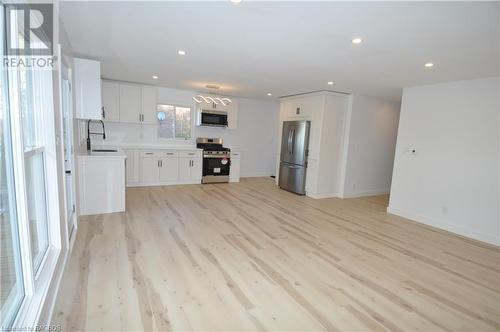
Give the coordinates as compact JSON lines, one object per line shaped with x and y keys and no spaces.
{"x":158,"y":163}
{"x":191,"y":154}
{"x":140,"y":117}
{"x":149,"y":152}
{"x":103,"y":113}
{"x":161,"y":163}
{"x":170,"y":153}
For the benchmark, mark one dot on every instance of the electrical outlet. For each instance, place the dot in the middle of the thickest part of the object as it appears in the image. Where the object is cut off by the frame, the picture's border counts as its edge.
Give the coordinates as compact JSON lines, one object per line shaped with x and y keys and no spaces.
{"x":412,"y":151}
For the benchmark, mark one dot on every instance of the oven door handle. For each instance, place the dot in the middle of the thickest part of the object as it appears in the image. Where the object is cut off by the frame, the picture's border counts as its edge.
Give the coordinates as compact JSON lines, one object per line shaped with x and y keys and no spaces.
{"x":216,"y":157}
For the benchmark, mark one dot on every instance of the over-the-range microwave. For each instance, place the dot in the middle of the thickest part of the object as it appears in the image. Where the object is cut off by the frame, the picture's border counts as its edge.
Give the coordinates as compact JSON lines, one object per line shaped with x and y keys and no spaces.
{"x":212,"y":118}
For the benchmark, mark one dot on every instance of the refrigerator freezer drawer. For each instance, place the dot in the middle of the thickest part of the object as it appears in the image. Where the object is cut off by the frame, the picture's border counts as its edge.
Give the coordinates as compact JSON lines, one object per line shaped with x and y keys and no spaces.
{"x":292,"y":178}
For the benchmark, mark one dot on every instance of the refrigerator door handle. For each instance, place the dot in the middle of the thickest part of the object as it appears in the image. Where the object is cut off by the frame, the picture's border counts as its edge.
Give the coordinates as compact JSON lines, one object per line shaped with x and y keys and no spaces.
{"x":289,"y":140}
{"x":293,"y":140}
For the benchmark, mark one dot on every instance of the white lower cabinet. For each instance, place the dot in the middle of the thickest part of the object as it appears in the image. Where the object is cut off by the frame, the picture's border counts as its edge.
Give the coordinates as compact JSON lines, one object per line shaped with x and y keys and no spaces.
{"x":184,"y":169}
{"x":150,"y":169}
{"x":190,"y":169}
{"x":163,"y":167}
{"x":169,"y":169}
{"x":197,"y":169}
{"x":234,"y":169}
{"x":131,"y":167}
{"x":101,"y":182}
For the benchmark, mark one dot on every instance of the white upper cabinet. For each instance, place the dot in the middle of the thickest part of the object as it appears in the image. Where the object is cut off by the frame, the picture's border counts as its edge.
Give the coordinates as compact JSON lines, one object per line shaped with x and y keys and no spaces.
{"x":130,"y":103}
{"x":149,"y":102}
{"x":87,"y":89}
{"x":232,"y":114}
{"x":301,"y":107}
{"x":110,"y":101}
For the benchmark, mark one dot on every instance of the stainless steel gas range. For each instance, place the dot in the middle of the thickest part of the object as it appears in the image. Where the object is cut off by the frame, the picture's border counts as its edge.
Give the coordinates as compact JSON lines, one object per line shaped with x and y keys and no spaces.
{"x":216,"y":160}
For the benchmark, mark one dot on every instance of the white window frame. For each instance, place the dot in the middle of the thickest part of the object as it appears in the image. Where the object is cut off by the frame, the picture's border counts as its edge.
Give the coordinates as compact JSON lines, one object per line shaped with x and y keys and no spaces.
{"x":192,"y":120}
{"x":36,"y":285}
{"x":11,"y":306}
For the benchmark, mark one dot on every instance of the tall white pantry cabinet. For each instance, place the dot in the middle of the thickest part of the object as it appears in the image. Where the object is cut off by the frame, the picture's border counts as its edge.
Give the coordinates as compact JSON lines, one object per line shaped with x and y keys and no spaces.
{"x":327,"y":112}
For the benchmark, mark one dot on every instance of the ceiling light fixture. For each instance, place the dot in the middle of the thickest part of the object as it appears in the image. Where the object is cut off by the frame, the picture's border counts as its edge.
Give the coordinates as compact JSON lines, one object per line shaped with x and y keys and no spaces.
{"x":235,"y":1}
{"x":357,"y":41}
{"x":209,"y":100}
{"x":155,"y":77}
{"x":181,"y":52}
{"x":330,"y":83}
{"x":429,"y":65}
{"x":269,"y":94}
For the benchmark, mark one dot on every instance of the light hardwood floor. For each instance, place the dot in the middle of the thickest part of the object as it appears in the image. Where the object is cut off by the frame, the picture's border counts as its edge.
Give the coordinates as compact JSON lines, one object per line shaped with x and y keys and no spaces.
{"x":248,"y":256}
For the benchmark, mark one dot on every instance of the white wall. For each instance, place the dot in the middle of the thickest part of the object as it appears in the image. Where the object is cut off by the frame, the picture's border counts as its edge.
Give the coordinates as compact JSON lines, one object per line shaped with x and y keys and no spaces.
{"x":256,"y":136}
{"x":372,"y":126}
{"x":452,"y":182}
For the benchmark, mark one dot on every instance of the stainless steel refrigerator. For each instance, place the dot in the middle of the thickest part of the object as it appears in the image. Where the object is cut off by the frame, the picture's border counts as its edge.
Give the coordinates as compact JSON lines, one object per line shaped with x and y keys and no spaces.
{"x":293,"y":159}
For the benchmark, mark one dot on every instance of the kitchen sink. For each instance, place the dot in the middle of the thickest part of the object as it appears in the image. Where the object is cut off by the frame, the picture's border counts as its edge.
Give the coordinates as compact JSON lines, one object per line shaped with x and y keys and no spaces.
{"x":104,"y":150}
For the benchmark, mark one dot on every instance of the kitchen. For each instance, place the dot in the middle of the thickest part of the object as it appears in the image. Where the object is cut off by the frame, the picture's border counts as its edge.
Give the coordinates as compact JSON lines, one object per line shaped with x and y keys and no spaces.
{"x":131,"y":116}
{"x":250,"y":165}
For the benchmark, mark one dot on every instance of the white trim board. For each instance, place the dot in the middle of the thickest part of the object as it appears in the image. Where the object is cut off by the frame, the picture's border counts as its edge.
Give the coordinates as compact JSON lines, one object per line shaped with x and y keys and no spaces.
{"x":321,"y":196}
{"x":480,"y":236}
{"x":367,"y":193}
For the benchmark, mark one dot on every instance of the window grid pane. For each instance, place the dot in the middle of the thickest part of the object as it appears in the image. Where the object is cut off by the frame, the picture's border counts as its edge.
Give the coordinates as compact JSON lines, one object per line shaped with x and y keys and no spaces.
{"x":182,"y":123}
{"x":37,"y":211}
{"x":34,"y":92}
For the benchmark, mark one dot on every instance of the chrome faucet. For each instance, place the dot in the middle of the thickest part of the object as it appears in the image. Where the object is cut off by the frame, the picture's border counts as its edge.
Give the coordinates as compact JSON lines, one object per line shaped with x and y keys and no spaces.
{"x":89,"y":133}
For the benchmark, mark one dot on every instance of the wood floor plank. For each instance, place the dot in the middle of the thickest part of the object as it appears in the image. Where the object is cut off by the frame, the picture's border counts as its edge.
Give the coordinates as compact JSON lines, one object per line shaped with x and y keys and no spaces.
{"x":249,"y":256}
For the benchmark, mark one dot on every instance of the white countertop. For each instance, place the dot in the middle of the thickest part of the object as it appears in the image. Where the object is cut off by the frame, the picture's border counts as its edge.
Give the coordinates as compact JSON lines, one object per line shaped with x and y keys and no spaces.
{"x":161,"y":146}
{"x":153,"y":145}
{"x":95,"y":154}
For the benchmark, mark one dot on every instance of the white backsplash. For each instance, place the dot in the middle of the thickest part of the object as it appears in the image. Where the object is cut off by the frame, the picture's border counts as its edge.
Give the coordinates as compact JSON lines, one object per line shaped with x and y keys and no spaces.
{"x":256,"y":137}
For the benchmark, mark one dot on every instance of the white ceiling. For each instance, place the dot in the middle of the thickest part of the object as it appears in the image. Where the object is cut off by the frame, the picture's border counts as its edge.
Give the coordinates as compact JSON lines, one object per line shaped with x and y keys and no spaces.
{"x":253,"y":48}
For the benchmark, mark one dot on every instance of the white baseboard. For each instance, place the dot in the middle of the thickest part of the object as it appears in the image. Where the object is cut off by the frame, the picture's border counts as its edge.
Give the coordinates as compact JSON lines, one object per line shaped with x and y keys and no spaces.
{"x":173,"y":183}
{"x":366,"y":193}
{"x":255,"y":174}
{"x":473,"y":234}
{"x":321,"y":196}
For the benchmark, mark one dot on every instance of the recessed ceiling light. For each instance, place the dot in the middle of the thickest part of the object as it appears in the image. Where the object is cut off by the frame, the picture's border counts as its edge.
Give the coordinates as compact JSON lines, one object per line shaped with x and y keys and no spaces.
{"x":212,"y":86}
{"x":181,"y":52}
{"x":269,"y":94}
{"x":429,"y":64}
{"x":330,"y":83}
{"x":357,"y":41}
{"x":155,"y":77}
{"x":235,"y":1}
